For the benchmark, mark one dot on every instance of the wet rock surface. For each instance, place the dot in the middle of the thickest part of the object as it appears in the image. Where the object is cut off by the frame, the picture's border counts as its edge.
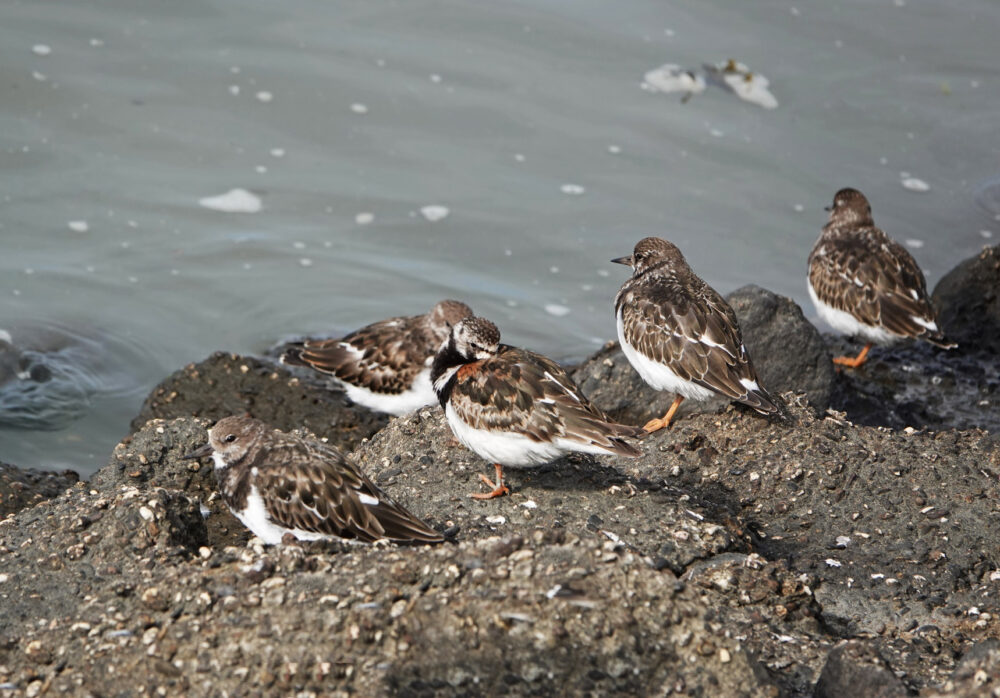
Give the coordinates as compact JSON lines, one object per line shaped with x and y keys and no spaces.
{"x":22,"y":488}
{"x":226,"y":384}
{"x":968,"y":302}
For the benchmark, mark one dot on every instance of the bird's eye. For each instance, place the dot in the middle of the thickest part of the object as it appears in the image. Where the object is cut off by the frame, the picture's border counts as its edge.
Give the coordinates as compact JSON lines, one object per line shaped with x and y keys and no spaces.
{"x":230,"y":438}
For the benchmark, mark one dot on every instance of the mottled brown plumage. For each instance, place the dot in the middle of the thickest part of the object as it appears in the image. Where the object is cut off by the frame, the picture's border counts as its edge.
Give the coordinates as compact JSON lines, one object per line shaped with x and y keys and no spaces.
{"x":385,"y":362}
{"x":858,"y":270}
{"x":516,"y":407}
{"x":680,"y":334}
{"x":278,"y":483}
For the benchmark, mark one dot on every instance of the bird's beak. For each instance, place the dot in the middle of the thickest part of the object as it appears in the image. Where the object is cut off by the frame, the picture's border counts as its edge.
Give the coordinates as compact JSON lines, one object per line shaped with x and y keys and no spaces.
{"x":205,"y":450}
{"x":627,"y":261}
{"x":828,"y":208}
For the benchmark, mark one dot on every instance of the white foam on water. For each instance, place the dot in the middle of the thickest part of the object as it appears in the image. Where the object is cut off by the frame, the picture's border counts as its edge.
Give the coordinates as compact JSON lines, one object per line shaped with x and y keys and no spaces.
{"x":305,"y":262}
{"x":234,"y":90}
{"x":364,"y":218}
{"x":79,"y":226}
{"x":914,"y":243}
{"x":265,"y":96}
{"x":233,"y":201}
{"x":752,"y":87}
{"x":359,"y":108}
{"x":435,"y":77}
{"x":915,"y":184}
{"x":38,"y":76}
{"x":556,"y":309}
{"x":671,"y":77}
{"x":96,"y":42}
{"x":277,"y":152}
{"x":987,"y":234}
{"x":572,"y":189}
{"x":519,"y":157}
{"x":614,"y":149}
{"x":434,"y":212}
{"x":41,"y":49}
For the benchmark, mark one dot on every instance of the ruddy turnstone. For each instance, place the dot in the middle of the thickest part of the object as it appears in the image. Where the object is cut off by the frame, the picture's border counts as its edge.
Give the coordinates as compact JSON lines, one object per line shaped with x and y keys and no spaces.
{"x":514,"y":407}
{"x":278,"y":483}
{"x":386,"y":365}
{"x":864,"y":283}
{"x":680,"y":335}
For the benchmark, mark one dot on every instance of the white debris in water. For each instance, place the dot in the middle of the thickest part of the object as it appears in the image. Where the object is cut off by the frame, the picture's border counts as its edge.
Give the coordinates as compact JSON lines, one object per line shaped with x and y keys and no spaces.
{"x":38,"y":76}
{"x":233,"y":201}
{"x":264,"y":96}
{"x":572,"y":189}
{"x":914,"y":184}
{"x":41,"y":49}
{"x":234,"y":90}
{"x":751,"y":87}
{"x":364,"y":218}
{"x":670,"y":77}
{"x":299,"y":245}
{"x":554,"y":270}
{"x":556,"y":309}
{"x":305,"y":262}
{"x":603,"y":272}
{"x":79,"y":226}
{"x":519,"y":157}
{"x":434,"y":212}
{"x":914,"y":243}
{"x":277,"y":152}
{"x":435,"y":77}
{"x":795,"y":11}
{"x":96,"y":42}
{"x":716,"y":133}
{"x":799,"y":208}
{"x":260,"y":169}
{"x":883,"y":161}
{"x":359,"y":108}
{"x":614,"y":149}
{"x":987,"y":234}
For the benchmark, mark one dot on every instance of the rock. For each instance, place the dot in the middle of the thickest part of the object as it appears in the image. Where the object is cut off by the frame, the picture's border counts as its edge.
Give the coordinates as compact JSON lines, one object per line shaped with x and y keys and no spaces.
{"x":857,"y":669}
{"x":226,"y":384}
{"x":977,"y":674}
{"x":787,"y":350}
{"x":968,"y":302}
{"x":21,"y":488}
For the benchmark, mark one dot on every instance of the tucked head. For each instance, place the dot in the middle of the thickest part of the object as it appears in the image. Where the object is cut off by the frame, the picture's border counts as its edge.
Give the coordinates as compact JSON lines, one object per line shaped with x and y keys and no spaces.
{"x":475,"y":338}
{"x":650,"y":252}
{"x":446,"y":314}
{"x":849,"y":206}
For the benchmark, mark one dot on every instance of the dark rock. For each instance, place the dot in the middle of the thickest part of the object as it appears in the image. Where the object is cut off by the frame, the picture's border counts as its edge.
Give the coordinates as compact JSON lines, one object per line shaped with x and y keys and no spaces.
{"x":21,"y":488}
{"x":857,"y":669}
{"x":787,"y":350}
{"x":968,"y":302}
{"x":226,"y":384}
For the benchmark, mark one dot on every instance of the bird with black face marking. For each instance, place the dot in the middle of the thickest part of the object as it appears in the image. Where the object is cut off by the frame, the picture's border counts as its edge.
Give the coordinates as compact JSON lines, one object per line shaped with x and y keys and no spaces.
{"x":514,"y":407}
{"x":865,"y":284}
{"x":680,"y":335}
{"x":384,"y":366}
{"x":277,"y":484}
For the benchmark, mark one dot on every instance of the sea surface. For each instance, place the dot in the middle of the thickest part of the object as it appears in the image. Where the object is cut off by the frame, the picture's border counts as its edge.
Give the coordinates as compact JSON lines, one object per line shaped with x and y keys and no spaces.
{"x":385,"y":155}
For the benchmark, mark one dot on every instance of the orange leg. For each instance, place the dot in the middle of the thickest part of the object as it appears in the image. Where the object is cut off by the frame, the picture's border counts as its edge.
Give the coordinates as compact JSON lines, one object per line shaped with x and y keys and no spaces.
{"x":657,"y":424}
{"x":855,"y":361}
{"x":499,"y":489}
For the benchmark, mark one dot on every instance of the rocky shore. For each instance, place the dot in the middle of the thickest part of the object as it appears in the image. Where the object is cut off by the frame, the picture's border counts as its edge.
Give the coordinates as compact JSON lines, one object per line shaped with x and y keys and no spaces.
{"x":852,"y":548}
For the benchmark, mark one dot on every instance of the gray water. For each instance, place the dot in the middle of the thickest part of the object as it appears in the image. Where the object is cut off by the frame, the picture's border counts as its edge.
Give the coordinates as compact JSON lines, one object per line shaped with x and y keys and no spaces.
{"x":117,"y":117}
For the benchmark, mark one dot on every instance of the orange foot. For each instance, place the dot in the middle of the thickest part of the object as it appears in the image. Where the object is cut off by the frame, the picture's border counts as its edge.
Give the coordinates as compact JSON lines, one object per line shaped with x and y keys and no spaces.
{"x":499,"y":489}
{"x":664,"y":421}
{"x":853,"y":361}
